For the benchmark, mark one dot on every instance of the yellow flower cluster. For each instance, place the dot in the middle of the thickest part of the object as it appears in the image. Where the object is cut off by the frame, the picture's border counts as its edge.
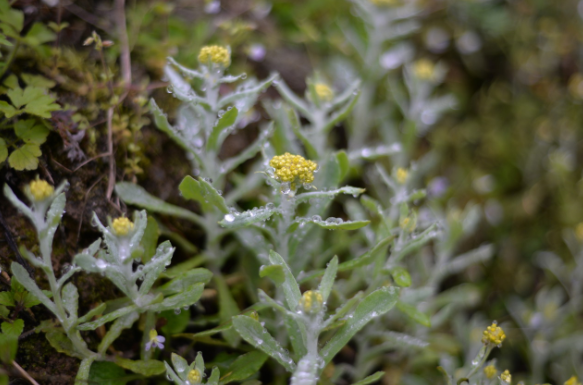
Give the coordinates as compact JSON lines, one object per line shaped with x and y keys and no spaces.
{"x":490,"y":371}
{"x":506,"y":377}
{"x":573,"y":381}
{"x":402,"y":175}
{"x":194,"y":376}
{"x":324,"y":92}
{"x":493,"y":334}
{"x":122,"y":226}
{"x":289,"y":168}
{"x":424,"y":69}
{"x":215,"y":54}
{"x":311,"y":302}
{"x":41,"y":190}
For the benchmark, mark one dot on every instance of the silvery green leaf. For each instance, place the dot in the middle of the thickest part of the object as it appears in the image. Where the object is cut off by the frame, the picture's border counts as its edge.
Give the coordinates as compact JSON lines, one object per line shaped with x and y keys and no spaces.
{"x":246,"y":92}
{"x":293,"y":99}
{"x":244,"y":367}
{"x":291,"y":289}
{"x":185,"y":281}
{"x":255,"y":334}
{"x":155,"y":267}
{"x":341,"y":114}
{"x":70,"y":297}
{"x":180,"y":365}
{"x":214,"y":378}
{"x":123,"y":322}
{"x":344,"y":164}
{"x":30,"y":257}
{"x":250,"y":151}
{"x":21,"y":206}
{"x":334,"y":223}
{"x":246,"y":218}
{"x":181,"y":89}
{"x":87,"y":263}
{"x":415,"y":243}
{"x":347,"y":96}
{"x":189,"y":73}
{"x":373,"y":305}
{"x":92,"y":313}
{"x":204,"y":193}
{"x":198,"y":362}
{"x":140,"y":223}
{"x":296,"y":331}
{"x":61,"y":343}
{"x":461,"y":262}
{"x":147,"y":368}
{"x":412,"y":312}
{"x":169,"y":372}
{"x":328,"y":279}
{"x":305,"y":197}
{"x":227,"y":309}
{"x":136,"y":195}
{"x":263,"y":297}
{"x":107,"y":318}
{"x":187,"y":298}
{"x":67,"y":275}
{"x":232,"y":78}
{"x":82,"y":376}
{"x":22,"y":276}
{"x":373,"y":378}
{"x":221,"y":129}
{"x":54,"y":214}
{"x":401,"y":276}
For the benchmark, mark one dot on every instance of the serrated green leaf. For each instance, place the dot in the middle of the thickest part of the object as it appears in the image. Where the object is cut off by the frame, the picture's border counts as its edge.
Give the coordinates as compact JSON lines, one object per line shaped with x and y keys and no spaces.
{"x":7,"y":109}
{"x":412,"y":312}
{"x":14,"y":329}
{"x":225,"y":121}
{"x":39,"y":34}
{"x":30,"y":131}
{"x":38,"y":81}
{"x":204,"y":193}
{"x":373,"y":305}
{"x":7,"y":298}
{"x":244,"y":367}
{"x":255,"y":334}
{"x":144,"y":367}
{"x":33,"y":100}
{"x":25,"y":157}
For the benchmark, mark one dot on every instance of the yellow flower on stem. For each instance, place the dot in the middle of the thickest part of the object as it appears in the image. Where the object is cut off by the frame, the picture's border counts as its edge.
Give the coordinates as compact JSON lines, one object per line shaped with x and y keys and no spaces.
{"x":324,"y":92}
{"x":572,"y":381}
{"x":194,"y":377}
{"x":490,"y":371}
{"x":41,"y":190}
{"x":122,"y":226}
{"x":215,"y":54}
{"x":293,"y":168}
{"x":493,"y":335}
{"x":506,"y":377}
{"x":311,"y":302}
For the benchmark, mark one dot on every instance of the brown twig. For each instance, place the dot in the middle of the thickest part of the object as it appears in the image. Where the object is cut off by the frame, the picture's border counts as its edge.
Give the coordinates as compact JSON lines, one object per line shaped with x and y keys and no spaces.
{"x":90,"y":160}
{"x":24,"y":373}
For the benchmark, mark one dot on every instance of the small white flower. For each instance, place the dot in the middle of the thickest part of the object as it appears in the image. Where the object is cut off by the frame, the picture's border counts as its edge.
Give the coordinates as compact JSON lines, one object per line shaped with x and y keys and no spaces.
{"x":155,"y":340}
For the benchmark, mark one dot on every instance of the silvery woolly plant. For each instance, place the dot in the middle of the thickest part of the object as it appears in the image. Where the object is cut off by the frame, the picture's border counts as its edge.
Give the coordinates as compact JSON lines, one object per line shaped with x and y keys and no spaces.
{"x":123,"y":246}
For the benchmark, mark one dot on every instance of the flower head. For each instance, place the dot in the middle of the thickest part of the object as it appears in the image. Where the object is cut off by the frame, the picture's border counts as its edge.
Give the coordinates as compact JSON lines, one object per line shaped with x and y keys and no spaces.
{"x":408,"y":223}
{"x":122,"y":226}
{"x":493,"y":335}
{"x":572,"y":381}
{"x":194,"y":376}
{"x":324,"y":92}
{"x":506,"y":377}
{"x":292,"y":168}
{"x":424,"y":69}
{"x":490,"y":371}
{"x":402,"y":175}
{"x":311,"y":302}
{"x":155,"y":340}
{"x":215,"y":54}
{"x":40,"y":190}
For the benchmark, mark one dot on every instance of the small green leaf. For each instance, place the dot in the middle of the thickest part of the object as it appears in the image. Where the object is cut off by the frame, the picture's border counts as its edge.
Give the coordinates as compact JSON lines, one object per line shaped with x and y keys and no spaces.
{"x":247,"y":218}
{"x":335,"y":223}
{"x":185,"y":280}
{"x":39,"y":34}
{"x":244,"y":367}
{"x":31,"y":132}
{"x":38,"y":81}
{"x":144,"y":367}
{"x":227,"y":309}
{"x":412,"y":312}
{"x":150,"y":240}
{"x":188,"y":298}
{"x":274,"y":272}
{"x":7,"y":298}
{"x":401,"y":276}
{"x":373,"y":305}
{"x":7,"y":109}
{"x":3,"y":150}
{"x":33,"y":100}
{"x":175,"y":323}
{"x":255,"y":334}
{"x":60,"y":342}
{"x":8,"y":348}
{"x":13,"y":329}
{"x":204,"y":193}
{"x":343,"y":162}
{"x":370,"y":379}
{"x":25,"y":157}
{"x":291,"y":289}
{"x":225,"y":121}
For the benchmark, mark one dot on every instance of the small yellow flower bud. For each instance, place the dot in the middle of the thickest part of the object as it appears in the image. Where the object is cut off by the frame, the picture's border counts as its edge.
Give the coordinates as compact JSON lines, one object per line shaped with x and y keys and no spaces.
{"x":41,"y":190}
{"x":214,"y":54}
{"x":324,"y":92}
{"x":493,"y":334}
{"x":194,"y":377}
{"x":122,"y":226}
{"x":424,"y":69}
{"x":254,"y":315}
{"x":572,"y":381}
{"x":506,"y":377}
{"x":408,"y":223}
{"x":311,"y":302}
{"x":490,"y":371}
{"x":292,"y":168}
{"x":402,"y":175}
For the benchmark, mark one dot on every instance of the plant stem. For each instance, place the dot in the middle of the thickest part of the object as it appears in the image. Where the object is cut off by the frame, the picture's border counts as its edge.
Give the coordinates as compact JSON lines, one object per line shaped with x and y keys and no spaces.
{"x":10,"y":58}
